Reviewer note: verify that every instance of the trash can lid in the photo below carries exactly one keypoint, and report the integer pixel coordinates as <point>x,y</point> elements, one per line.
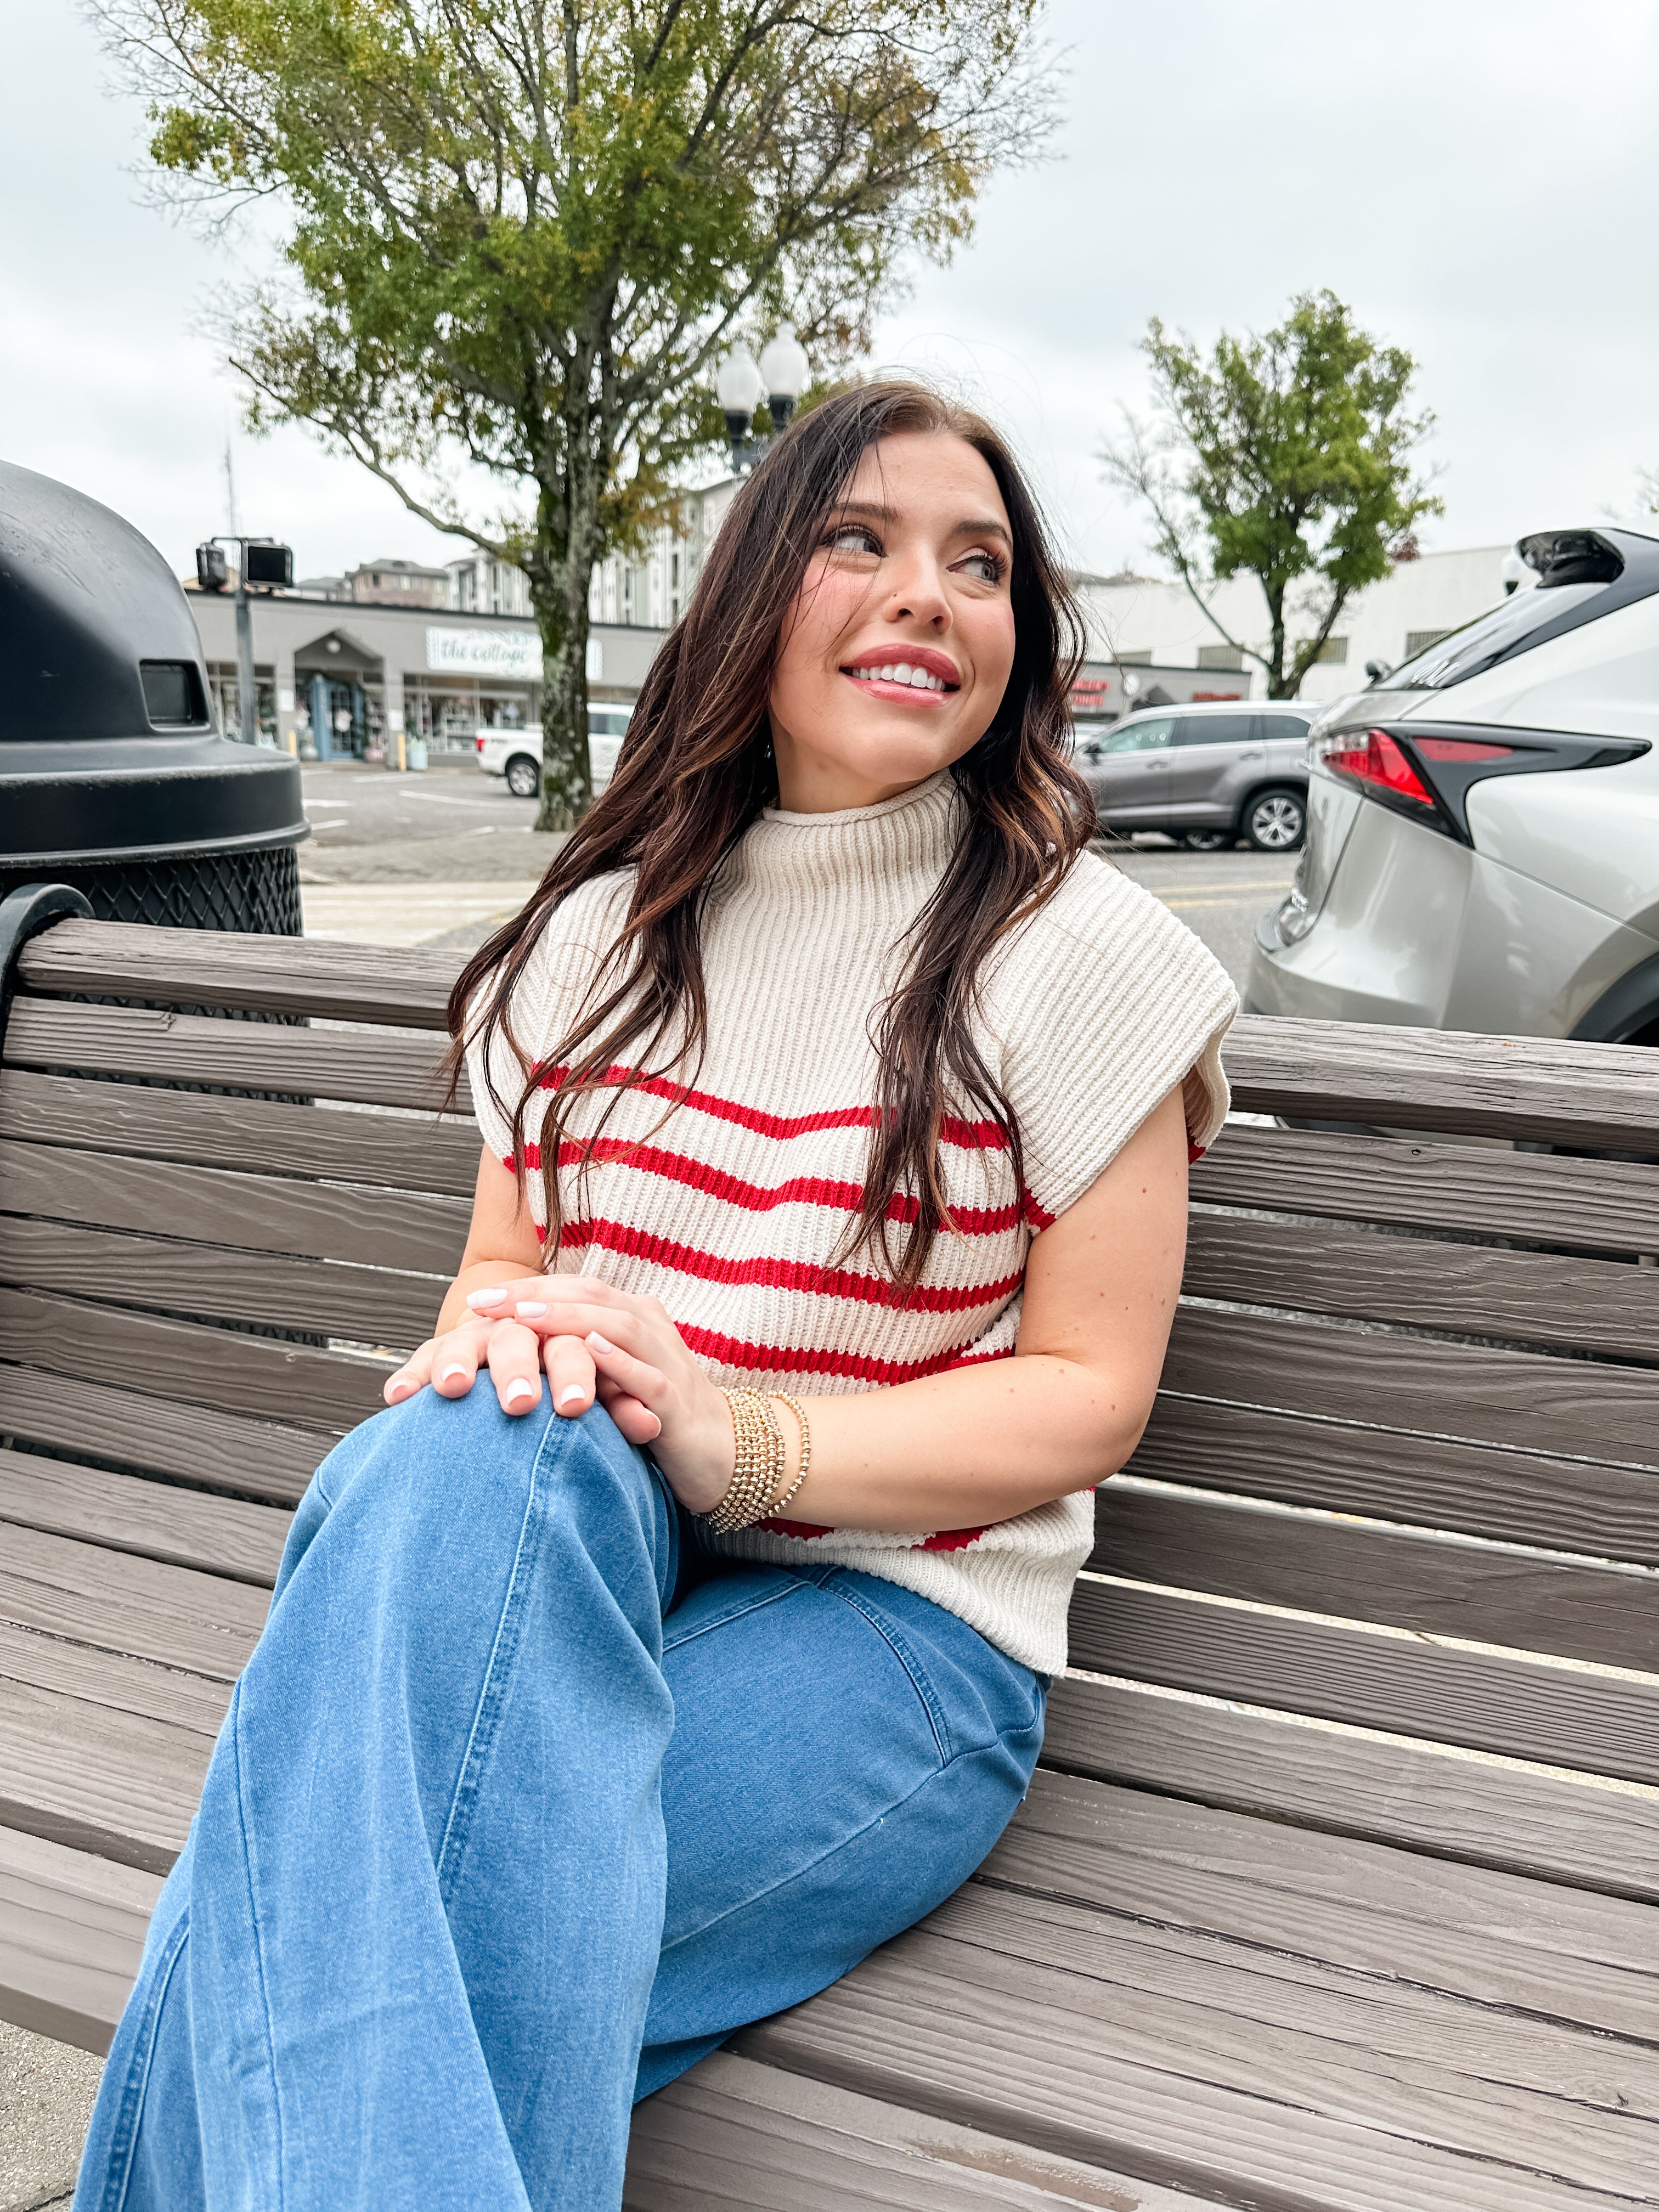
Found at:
<point>107,741</point>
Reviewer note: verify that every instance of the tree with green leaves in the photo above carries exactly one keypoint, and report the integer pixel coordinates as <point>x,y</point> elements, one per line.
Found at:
<point>1287,457</point>
<point>518,233</point>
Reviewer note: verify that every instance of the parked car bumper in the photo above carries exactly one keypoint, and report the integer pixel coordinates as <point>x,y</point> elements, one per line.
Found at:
<point>1426,933</point>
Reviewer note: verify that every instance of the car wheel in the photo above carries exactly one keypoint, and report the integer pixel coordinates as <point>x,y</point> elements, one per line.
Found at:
<point>524,778</point>
<point>1206,840</point>
<point>1274,821</point>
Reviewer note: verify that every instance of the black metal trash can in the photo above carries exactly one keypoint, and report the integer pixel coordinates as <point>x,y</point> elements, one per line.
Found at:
<point>112,776</point>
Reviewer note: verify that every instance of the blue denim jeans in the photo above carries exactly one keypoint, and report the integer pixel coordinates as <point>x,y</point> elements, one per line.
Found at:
<point>520,1807</point>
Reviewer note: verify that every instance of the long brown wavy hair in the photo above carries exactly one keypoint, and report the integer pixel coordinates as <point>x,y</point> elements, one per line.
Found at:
<point>695,770</point>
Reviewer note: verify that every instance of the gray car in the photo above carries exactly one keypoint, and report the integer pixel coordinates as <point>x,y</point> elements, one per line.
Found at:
<point>1208,774</point>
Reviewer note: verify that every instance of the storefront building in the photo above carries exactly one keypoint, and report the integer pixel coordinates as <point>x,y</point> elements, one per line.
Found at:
<point>352,680</point>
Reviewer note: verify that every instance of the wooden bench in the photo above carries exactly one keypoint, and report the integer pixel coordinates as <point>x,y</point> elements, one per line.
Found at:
<point>1336,1887</point>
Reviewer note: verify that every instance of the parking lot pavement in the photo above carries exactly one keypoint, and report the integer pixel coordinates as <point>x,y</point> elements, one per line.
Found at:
<point>454,824</point>
<point>1220,896</point>
<point>437,859</point>
<point>442,858</point>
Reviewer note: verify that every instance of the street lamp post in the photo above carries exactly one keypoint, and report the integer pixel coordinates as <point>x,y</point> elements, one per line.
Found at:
<point>740,384</point>
<point>261,562</point>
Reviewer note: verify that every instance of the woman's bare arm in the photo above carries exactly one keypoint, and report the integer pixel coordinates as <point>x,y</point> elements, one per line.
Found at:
<point>981,1444</point>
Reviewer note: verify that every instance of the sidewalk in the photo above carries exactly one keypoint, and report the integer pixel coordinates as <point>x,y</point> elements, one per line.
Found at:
<point>461,915</point>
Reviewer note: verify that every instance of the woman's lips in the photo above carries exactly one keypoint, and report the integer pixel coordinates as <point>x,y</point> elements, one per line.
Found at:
<point>906,681</point>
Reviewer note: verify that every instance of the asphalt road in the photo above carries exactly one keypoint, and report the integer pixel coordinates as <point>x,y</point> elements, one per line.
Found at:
<point>1220,896</point>
<point>440,858</point>
<point>450,825</point>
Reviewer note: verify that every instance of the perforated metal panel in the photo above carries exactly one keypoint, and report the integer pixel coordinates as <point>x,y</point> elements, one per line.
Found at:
<point>256,893</point>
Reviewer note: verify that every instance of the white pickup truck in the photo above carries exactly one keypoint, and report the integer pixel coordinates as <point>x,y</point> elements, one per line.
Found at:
<point>516,754</point>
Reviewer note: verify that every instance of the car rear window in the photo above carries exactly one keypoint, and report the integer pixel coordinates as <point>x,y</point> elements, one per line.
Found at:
<point>1491,637</point>
<point>1214,729</point>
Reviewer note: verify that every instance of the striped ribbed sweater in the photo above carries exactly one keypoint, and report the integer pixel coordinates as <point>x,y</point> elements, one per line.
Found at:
<point>727,1200</point>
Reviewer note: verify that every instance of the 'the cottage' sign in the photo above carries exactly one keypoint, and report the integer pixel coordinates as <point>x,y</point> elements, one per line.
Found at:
<point>511,652</point>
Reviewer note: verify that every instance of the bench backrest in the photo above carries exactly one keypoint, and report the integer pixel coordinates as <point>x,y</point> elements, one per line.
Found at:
<point>1402,1479</point>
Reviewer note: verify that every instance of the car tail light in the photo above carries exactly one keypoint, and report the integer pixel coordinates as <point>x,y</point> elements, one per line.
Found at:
<point>1427,772</point>
<point>1371,756</point>
<point>479,743</point>
<point>1462,749</point>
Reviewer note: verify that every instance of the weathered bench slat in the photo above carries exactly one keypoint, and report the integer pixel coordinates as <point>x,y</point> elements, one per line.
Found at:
<point>733,2136</point>
<point>71,1931</point>
<point>1533,1087</point>
<point>373,1068</point>
<point>1540,1090</point>
<point>1567,1505</point>
<point>1605,1306</point>
<point>205,1366</point>
<point>153,1520</point>
<point>1533,1948</point>
<point>273,975</point>
<point>272,1460</point>
<point>210,1282</point>
<point>107,1681</point>
<point>1406,1581</point>
<point>111,1601</point>
<point>389,1152</point>
<point>1470,2077</point>
<point>1589,1834</point>
<point>95,1778</point>
<point>1176,2058</point>
<point>1479,1392</point>
<point>242,1211</point>
<point>1609,1206</point>
<point>114,1684</point>
<point>1406,1684</point>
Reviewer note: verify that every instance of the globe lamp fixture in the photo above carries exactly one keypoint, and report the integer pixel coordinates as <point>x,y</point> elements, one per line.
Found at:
<point>741,386</point>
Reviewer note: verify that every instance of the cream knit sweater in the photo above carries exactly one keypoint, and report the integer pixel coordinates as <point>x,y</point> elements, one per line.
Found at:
<point>728,1201</point>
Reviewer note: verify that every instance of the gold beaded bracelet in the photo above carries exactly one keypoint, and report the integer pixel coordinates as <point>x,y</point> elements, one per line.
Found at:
<point>793,1404</point>
<point>762,1461</point>
<point>757,1470</point>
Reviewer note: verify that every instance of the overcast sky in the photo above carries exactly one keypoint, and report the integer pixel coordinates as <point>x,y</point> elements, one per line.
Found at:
<point>1480,182</point>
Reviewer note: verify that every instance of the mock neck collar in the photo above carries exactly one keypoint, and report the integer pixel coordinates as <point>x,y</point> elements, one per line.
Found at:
<point>909,838</point>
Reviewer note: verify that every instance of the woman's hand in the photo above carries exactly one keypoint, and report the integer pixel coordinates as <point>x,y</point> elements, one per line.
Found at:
<point>593,1342</point>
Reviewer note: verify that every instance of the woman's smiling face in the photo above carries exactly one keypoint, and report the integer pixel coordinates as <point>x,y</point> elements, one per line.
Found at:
<point>899,650</point>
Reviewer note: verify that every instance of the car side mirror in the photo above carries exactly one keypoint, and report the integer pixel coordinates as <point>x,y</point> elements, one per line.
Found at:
<point>1091,751</point>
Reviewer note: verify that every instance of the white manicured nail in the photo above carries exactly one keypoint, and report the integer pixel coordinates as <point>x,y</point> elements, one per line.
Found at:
<point>571,1393</point>
<point>527,1308</point>
<point>655,1432</point>
<point>521,1387</point>
<point>485,1297</point>
<point>450,1373</point>
<point>599,1343</point>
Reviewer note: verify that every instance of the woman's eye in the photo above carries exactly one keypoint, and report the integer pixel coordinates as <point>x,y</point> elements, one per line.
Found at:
<point>989,568</point>
<point>853,538</point>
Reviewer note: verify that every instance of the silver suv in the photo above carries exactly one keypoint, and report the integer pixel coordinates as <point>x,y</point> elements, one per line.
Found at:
<point>1483,845</point>
<point>1208,774</point>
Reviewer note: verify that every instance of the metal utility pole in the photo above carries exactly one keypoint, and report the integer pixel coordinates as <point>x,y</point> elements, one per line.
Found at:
<point>259,560</point>
<point>246,702</point>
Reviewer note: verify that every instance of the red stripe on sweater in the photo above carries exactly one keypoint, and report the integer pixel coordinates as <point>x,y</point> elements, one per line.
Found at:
<point>951,1539</point>
<point>775,1275</point>
<point>973,1136</point>
<point>806,1532</point>
<point>791,1359</point>
<point>762,1198</point>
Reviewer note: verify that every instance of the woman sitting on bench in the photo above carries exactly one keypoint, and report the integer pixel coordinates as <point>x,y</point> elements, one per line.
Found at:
<point>837,1108</point>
